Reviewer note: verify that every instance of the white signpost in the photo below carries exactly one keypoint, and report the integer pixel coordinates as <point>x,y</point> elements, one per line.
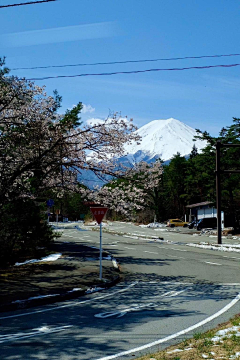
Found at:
<point>98,213</point>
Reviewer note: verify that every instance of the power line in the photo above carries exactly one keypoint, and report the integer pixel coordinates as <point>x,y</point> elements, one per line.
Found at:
<point>135,72</point>
<point>124,62</point>
<point>27,3</point>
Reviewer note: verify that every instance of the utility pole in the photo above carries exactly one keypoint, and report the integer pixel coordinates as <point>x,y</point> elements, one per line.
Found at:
<point>218,192</point>
<point>218,184</point>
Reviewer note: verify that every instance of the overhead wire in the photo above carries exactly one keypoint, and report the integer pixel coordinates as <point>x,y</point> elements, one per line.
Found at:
<point>134,72</point>
<point>125,62</point>
<point>27,3</point>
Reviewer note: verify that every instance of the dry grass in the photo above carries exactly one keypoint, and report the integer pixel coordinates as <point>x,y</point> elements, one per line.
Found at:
<point>205,345</point>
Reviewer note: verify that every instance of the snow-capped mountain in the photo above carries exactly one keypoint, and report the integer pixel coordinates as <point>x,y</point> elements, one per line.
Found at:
<point>163,138</point>
<point>160,139</point>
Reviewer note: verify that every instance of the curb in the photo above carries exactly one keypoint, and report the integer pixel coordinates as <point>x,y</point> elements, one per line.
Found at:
<point>57,298</point>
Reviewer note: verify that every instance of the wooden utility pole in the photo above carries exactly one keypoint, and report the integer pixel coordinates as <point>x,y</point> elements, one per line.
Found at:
<point>218,193</point>
<point>218,185</point>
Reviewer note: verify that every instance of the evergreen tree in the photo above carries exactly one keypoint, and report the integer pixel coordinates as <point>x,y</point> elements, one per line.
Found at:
<point>174,183</point>
<point>230,160</point>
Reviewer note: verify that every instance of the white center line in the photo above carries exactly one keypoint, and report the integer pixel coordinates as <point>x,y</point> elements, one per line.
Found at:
<point>212,263</point>
<point>177,249</point>
<point>176,257</point>
<point>151,252</point>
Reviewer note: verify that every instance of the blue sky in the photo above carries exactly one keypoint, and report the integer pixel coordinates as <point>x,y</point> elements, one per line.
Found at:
<point>89,31</point>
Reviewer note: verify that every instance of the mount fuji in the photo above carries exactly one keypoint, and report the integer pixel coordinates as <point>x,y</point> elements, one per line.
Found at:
<point>162,139</point>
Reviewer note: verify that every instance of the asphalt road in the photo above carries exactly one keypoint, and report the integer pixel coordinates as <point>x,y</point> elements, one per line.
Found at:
<point>169,292</point>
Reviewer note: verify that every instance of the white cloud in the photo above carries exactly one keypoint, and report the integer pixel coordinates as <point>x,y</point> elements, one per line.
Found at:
<point>87,109</point>
<point>94,121</point>
<point>60,34</point>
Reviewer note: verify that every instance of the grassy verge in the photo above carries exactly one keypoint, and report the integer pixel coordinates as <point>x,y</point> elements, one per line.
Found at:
<point>222,342</point>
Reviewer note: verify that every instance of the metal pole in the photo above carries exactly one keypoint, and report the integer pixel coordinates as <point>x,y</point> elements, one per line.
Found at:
<point>48,210</point>
<point>218,192</point>
<point>100,275</point>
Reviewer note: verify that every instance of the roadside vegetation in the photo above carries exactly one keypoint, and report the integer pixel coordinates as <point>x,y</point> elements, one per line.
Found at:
<point>223,342</point>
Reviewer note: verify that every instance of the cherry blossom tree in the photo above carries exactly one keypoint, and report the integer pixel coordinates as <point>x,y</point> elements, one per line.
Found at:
<point>138,190</point>
<point>42,149</point>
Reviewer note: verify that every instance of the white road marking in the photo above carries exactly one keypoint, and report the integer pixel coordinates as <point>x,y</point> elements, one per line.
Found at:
<point>128,248</point>
<point>177,249</point>
<point>212,263</point>
<point>151,252</point>
<point>231,257</point>
<point>173,336</point>
<point>230,284</point>
<point>123,312</point>
<point>176,257</point>
<point>34,332</point>
<point>169,294</point>
<point>136,307</point>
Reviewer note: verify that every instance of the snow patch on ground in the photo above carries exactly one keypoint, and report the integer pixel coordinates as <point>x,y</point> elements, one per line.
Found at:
<point>226,248</point>
<point>178,350</point>
<point>34,298</point>
<point>130,236</point>
<point>52,257</point>
<point>236,356</point>
<point>75,289</point>
<point>153,225</point>
<point>229,332</point>
<point>115,264</point>
<point>95,289</point>
<point>107,257</point>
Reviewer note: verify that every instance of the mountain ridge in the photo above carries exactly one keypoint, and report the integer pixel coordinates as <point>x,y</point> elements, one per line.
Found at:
<point>163,138</point>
